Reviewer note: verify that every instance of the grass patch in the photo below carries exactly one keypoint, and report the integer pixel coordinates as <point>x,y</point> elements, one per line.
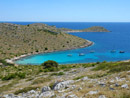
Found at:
<point>113,67</point>
<point>80,77</point>
<point>41,80</point>
<point>57,74</point>
<point>94,76</point>
<point>8,87</point>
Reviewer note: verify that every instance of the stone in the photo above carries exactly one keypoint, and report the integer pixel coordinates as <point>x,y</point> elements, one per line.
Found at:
<point>73,86</point>
<point>9,96</point>
<point>46,94</point>
<point>102,84</point>
<point>32,92</point>
<point>120,79</point>
<point>79,88</point>
<point>111,88</point>
<point>72,96</point>
<point>102,96</point>
<point>92,92</point>
<point>125,86</point>
<point>116,85</point>
<point>46,88</point>
<point>85,78</point>
<point>112,81</point>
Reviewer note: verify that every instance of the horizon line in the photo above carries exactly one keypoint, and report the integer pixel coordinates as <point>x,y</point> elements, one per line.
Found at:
<point>64,21</point>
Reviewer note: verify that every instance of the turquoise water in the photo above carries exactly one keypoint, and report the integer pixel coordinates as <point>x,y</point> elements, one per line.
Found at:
<point>118,39</point>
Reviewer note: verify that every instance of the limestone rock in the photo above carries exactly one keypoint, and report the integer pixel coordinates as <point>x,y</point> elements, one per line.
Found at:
<point>125,86</point>
<point>102,96</point>
<point>72,96</point>
<point>62,85</point>
<point>92,92</point>
<point>46,94</point>
<point>85,78</point>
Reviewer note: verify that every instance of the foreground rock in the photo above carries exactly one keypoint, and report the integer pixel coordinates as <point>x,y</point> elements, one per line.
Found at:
<point>62,85</point>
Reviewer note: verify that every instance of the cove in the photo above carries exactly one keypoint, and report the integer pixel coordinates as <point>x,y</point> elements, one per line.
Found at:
<point>104,42</point>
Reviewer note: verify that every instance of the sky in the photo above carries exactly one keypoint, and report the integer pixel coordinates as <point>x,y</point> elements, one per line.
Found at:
<point>65,10</point>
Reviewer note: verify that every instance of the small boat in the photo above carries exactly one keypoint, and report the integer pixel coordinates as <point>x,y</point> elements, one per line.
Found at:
<point>81,54</point>
<point>113,51</point>
<point>69,54</point>
<point>122,52</point>
<point>92,51</point>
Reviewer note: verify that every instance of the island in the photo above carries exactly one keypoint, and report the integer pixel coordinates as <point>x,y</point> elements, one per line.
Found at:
<point>90,29</point>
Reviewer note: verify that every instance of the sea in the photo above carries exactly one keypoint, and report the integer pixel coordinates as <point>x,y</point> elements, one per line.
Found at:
<point>106,47</point>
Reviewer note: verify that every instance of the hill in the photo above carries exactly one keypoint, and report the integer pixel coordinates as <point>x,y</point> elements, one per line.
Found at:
<point>16,40</point>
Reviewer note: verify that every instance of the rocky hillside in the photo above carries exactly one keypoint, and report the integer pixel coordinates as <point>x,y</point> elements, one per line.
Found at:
<point>92,80</point>
<point>16,40</point>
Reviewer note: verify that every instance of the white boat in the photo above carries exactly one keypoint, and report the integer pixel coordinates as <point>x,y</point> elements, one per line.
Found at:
<point>81,54</point>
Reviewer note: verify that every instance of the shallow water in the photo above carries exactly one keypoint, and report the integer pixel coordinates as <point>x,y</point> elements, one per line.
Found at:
<point>118,39</point>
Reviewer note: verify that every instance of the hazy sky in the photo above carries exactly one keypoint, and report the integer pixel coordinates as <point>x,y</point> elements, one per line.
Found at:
<point>65,10</point>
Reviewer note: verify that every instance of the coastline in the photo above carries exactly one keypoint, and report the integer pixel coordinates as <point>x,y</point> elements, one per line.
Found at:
<point>12,60</point>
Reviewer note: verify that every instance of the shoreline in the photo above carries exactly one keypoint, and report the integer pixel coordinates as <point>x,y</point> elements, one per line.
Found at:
<point>12,60</point>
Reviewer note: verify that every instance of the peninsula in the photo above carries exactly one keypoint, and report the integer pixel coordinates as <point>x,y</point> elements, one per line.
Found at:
<point>17,40</point>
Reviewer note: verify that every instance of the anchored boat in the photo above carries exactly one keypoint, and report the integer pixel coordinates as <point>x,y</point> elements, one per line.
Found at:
<point>122,52</point>
<point>81,54</point>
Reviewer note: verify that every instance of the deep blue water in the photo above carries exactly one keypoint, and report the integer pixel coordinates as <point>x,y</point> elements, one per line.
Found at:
<point>118,39</point>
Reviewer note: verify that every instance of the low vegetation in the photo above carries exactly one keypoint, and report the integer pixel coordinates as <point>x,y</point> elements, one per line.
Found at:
<point>113,67</point>
<point>19,79</point>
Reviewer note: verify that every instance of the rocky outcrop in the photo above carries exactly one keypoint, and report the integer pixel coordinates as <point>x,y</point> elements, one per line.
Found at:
<point>62,85</point>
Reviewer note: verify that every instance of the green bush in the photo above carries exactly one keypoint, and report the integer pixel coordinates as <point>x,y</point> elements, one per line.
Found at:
<point>9,77</point>
<point>51,65</point>
<point>21,75</point>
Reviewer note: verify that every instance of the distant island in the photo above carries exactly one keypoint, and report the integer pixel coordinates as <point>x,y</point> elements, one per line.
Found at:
<point>91,29</point>
<point>17,40</point>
